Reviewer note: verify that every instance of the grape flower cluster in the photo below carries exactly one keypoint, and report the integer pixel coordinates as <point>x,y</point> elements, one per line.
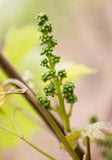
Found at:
<point>49,61</point>
<point>49,90</point>
<point>48,75</point>
<point>68,91</point>
<point>44,102</point>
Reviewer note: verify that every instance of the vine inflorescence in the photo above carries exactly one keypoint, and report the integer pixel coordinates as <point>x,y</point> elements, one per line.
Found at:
<point>55,78</point>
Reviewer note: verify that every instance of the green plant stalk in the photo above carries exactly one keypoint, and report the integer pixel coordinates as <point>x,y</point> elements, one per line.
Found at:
<point>26,141</point>
<point>70,111</point>
<point>54,109</point>
<point>46,115</point>
<point>52,66</point>
<point>63,114</point>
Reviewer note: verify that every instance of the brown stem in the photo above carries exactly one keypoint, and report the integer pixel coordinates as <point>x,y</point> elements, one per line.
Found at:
<point>88,148</point>
<point>9,70</point>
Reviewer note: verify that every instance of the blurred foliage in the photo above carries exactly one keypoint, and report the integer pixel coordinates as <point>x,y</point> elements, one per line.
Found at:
<point>75,72</point>
<point>18,13</point>
<point>26,125</point>
<point>19,41</point>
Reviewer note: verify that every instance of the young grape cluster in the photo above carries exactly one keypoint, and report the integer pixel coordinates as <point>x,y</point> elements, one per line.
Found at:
<point>50,61</point>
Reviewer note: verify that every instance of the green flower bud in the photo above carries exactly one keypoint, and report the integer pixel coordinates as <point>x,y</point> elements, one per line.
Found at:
<point>93,119</point>
<point>48,39</point>
<point>71,98</point>
<point>41,18</point>
<point>44,62</point>
<point>48,75</point>
<point>45,39</point>
<point>47,51</point>
<point>62,73</point>
<point>53,43</point>
<point>49,90</point>
<point>55,59</point>
<point>44,102</point>
<point>46,28</point>
<point>68,88</point>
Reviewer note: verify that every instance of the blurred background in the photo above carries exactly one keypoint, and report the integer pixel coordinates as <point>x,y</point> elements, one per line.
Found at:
<point>84,33</point>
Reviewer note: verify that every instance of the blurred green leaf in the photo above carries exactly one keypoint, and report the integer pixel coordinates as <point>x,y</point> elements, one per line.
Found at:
<point>75,72</point>
<point>31,63</point>
<point>25,124</point>
<point>19,41</point>
<point>2,76</point>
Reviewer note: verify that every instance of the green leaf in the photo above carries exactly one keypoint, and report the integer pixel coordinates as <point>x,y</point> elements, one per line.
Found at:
<point>19,41</point>
<point>31,63</point>
<point>72,139</point>
<point>2,76</point>
<point>75,72</point>
<point>25,123</point>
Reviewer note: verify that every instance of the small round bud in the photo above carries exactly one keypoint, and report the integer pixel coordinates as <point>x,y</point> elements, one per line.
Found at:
<point>44,102</point>
<point>55,59</point>
<point>41,18</point>
<point>62,74</point>
<point>49,90</point>
<point>93,119</point>
<point>44,62</point>
<point>71,99</point>
<point>47,51</point>
<point>48,75</point>
<point>53,43</point>
<point>68,88</point>
<point>48,39</point>
<point>46,28</point>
